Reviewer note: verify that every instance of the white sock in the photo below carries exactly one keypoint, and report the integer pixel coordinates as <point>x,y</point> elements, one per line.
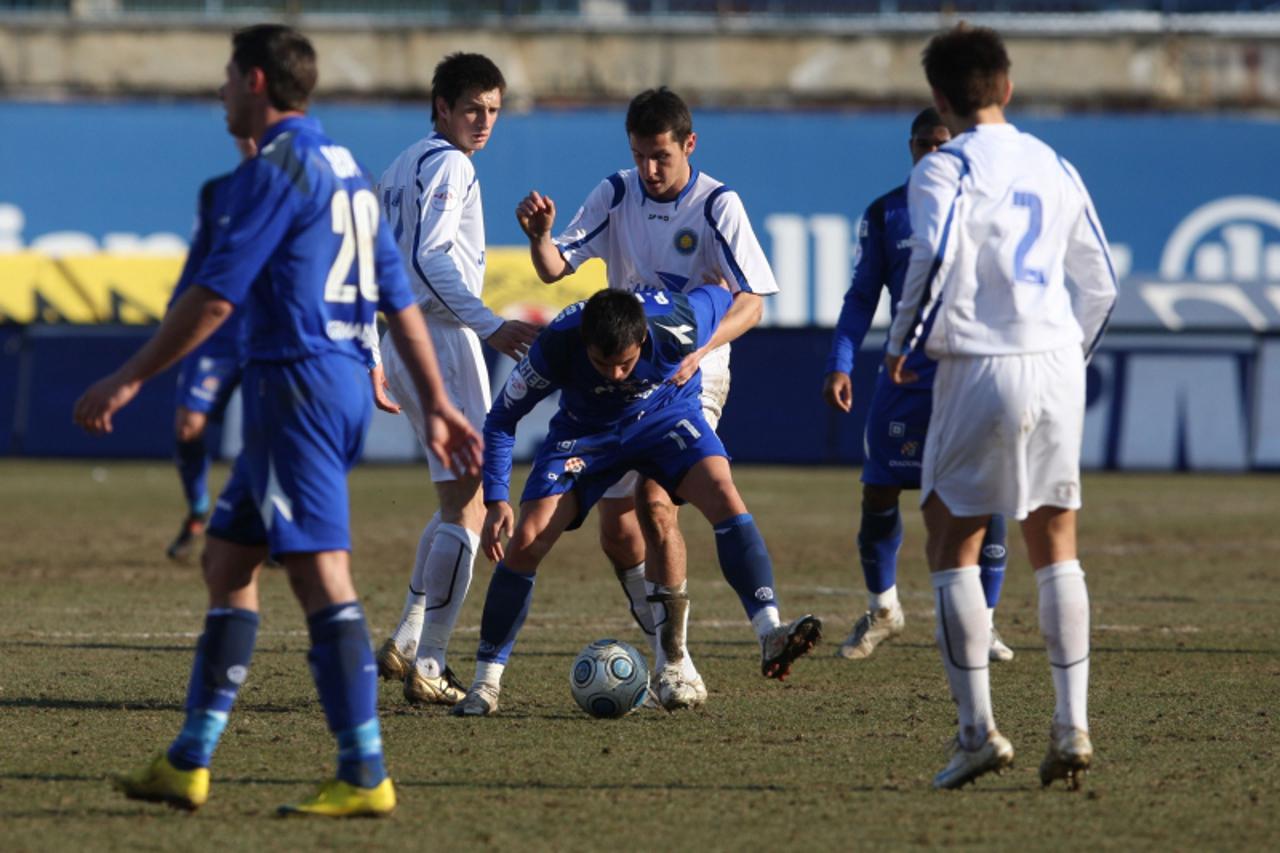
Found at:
<point>886,600</point>
<point>964,640</point>
<point>490,673</point>
<point>415,600</point>
<point>765,621</point>
<point>449,567</point>
<point>633,584</point>
<point>1064,621</point>
<point>991,617</point>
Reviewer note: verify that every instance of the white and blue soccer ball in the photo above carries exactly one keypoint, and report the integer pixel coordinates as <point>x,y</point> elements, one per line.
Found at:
<point>609,679</point>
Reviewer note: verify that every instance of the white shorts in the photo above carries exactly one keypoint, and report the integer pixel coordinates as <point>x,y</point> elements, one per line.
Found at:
<point>1005,433</point>
<point>715,390</point>
<point>466,381</point>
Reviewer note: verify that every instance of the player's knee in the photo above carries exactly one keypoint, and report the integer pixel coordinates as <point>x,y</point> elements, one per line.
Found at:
<point>623,545</point>
<point>658,519</point>
<point>879,498</point>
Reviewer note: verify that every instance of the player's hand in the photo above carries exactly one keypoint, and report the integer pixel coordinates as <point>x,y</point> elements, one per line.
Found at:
<point>513,338</point>
<point>104,398</point>
<point>688,367</point>
<point>536,213</point>
<point>381,398</point>
<point>454,441</point>
<point>837,390</point>
<point>499,521</point>
<point>896,367</point>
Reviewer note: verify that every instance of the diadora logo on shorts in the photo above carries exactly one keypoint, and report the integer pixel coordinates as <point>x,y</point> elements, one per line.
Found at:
<point>993,552</point>
<point>686,241</point>
<point>574,465</point>
<point>552,476</point>
<point>764,593</point>
<point>897,429</point>
<point>566,445</point>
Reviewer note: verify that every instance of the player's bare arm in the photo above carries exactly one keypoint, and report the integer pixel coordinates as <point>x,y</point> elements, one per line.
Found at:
<point>536,214</point>
<point>837,390</point>
<point>499,521</point>
<point>191,320</point>
<point>453,439</point>
<point>743,315</point>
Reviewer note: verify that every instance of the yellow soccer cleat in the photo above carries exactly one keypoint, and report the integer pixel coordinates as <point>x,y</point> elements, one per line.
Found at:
<point>393,664</point>
<point>158,781</point>
<point>342,799</point>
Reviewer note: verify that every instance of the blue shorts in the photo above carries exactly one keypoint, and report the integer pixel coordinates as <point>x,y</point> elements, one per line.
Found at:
<point>662,446</point>
<point>206,382</point>
<point>304,428</point>
<point>893,444</point>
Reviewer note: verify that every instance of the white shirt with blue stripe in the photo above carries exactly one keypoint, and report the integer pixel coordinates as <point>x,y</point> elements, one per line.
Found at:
<point>701,235</point>
<point>430,196</point>
<point>1008,254</point>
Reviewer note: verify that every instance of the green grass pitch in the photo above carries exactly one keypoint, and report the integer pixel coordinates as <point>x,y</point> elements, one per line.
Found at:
<point>96,632</point>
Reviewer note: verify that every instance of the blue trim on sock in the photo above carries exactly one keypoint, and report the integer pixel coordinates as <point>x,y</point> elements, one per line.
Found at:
<point>192,459</point>
<point>745,563</point>
<point>506,605</point>
<point>360,760</point>
<point>879,541</point>
<point>735,521</point>
<point>198,739</point>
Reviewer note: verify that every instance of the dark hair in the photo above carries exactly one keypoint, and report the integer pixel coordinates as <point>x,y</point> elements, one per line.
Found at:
<point>654,112</point>
<point>459,73</point>
<point>927,120</point>
<point>286,58</point>
<point>969,66</point>
<point>612,321</point>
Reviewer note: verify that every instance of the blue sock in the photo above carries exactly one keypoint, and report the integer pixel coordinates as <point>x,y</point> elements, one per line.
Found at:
<point>346,678</point>
<point>505,607</point>
<point>993,559</point>
<point>879,540</point>
<point>221,664</point>
<point>745,563</point>
<point>193,470</point>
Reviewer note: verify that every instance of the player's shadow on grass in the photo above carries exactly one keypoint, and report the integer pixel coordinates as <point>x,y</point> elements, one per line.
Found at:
<point>61,704</point>
<point>187,649</point>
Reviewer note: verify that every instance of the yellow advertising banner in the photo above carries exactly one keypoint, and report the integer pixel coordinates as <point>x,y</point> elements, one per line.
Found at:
<point>134,289</point>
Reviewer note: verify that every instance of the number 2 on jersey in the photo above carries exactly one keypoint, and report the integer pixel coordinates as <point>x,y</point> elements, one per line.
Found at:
<point>355,219</point>
<point>1022,272</point>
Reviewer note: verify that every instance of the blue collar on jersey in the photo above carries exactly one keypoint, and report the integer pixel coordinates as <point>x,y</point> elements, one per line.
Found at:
<point>290,123</point>
<point>644,196</point>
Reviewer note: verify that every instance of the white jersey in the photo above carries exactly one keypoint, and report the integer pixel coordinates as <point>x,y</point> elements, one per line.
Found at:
<point>701,235</point>
<point>431,198</point>
<point>1000,223</point>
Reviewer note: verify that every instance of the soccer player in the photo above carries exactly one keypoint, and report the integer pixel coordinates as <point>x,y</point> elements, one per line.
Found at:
<point>898,418</point>
<point>612,359</point>
<point>208,376</point>
<point>1002,225</point>
<point>666,225</point>
<point>431,198</point>
<point>305,248</point>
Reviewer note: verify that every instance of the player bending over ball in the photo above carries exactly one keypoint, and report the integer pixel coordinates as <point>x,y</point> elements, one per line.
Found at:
<point>612,358</point>
<point>1001,224</point>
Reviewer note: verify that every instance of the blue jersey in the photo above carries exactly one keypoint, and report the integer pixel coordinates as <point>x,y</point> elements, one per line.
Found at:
<point>589,403</point>
<point>884,249</point>
<point>304,250</point>
<point>229,338</point>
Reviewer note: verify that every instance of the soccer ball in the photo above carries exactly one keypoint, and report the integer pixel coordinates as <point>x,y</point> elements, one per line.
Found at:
<point>609,679</point>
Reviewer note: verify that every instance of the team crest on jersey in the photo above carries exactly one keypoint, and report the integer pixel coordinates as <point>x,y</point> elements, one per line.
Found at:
<point>686,241</point>
<point>575,465</point>
<point>444,199</point>
<point>516,387</point>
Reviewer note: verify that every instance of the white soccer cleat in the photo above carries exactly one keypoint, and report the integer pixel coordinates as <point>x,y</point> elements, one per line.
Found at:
<point>481,701</point>
<point>785,643</point>
<point>676,691</point>
<point>968,764</point>
<point>1070,754</point>
<point>1000,653</point>
<point>872,629</point>
<point>443,689</point>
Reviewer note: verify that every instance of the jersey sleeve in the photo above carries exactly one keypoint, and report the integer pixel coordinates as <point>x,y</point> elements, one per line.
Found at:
<point>1090,270</point>
<point>932,193</point>
<point>440,205</point>
<point>740,257</point>
<point>260,204</point>
<point>863,296</point>
<point>532,380</point>
<point>201,236</point>
<point>584,239</point>
<point>709,304</point>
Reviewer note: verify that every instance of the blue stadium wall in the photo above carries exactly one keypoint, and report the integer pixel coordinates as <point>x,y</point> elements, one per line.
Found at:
<point>1189,379</point>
